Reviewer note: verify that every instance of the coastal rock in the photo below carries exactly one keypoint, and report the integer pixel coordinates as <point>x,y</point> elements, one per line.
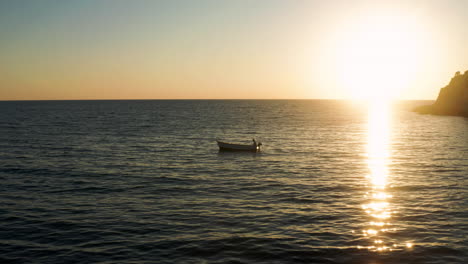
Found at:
<point>452,99</point>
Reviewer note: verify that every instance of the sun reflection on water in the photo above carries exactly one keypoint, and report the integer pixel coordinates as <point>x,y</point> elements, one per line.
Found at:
<point>378,206</point>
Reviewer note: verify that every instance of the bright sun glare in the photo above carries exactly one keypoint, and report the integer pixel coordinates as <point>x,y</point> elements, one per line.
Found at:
<point>378,56</point>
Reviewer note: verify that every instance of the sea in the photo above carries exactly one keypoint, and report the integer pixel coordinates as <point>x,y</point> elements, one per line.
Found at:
<point>143,181</point>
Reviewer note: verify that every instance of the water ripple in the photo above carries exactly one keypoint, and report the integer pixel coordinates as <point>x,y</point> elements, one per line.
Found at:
<point>143,182</point>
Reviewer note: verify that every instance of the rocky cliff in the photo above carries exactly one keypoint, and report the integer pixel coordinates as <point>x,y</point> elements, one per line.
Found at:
<point>452,99</point>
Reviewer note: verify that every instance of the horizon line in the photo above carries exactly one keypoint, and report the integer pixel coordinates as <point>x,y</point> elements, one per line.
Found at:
<point>206,99</point>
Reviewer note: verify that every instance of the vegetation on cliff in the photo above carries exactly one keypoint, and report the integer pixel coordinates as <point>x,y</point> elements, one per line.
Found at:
<point>452,99</point>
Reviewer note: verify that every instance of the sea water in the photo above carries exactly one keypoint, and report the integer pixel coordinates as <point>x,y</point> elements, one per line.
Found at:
<point>144,182</point>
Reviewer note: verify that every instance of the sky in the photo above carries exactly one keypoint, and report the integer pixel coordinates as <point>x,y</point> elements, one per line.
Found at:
<point>242,49</point>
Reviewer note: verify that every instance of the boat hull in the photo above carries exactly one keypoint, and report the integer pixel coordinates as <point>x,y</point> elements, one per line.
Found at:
<point>223,146</point>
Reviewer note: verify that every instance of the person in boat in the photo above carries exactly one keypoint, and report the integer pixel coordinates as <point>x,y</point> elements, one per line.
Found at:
<point>254,142</point>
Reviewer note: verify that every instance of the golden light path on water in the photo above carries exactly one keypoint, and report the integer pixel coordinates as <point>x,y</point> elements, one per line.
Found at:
<point>378,204</point>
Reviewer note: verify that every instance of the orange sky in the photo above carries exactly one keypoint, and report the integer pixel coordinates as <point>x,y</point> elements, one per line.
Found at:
<point>238,49</point>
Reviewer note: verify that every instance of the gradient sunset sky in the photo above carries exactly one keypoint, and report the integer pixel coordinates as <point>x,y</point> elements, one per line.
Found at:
<point>113,49</point>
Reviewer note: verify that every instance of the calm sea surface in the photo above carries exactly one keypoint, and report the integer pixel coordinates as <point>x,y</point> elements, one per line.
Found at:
<point>143,182</point>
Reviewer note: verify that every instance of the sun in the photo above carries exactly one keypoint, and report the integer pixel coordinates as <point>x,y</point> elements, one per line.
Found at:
<point>377,57</point>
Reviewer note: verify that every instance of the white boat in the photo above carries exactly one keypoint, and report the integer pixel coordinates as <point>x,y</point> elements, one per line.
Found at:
<point>225,146</point>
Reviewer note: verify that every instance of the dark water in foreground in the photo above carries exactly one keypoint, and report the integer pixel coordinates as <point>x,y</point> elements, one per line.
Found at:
<point>143,182</point>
